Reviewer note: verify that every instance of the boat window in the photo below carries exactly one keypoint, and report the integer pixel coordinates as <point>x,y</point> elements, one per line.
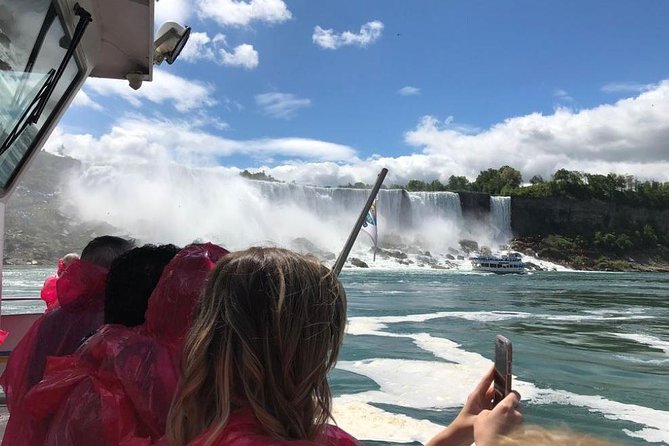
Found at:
<point>33,42</point>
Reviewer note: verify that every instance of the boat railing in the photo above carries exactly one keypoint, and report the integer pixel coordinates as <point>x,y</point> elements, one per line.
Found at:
<point>20,299</point>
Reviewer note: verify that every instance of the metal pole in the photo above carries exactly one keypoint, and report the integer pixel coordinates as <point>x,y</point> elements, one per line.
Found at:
<point>339,264</point>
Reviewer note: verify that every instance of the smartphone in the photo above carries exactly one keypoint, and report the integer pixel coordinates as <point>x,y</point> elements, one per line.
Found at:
<point>503,360</point>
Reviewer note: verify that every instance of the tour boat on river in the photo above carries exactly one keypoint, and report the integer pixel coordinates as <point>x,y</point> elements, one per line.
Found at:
<point>505,264</point>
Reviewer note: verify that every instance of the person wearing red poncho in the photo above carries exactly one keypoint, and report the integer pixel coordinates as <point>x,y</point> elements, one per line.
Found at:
<point>49,291</point>
<point>117,388</point>
<point>80,291</point>
<point>267,330</point>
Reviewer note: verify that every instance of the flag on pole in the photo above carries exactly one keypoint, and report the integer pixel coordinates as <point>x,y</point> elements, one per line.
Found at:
<point>370,226</point>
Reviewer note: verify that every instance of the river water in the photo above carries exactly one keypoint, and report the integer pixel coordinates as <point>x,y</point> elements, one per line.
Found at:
<point>591,350</point>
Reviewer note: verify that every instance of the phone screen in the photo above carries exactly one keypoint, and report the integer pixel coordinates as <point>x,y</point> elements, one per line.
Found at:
<point>502,368</point>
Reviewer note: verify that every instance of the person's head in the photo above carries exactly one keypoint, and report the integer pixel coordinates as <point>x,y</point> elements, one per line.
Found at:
<point>66,261</point>
<point>69,258</point>
<point>130,281</point>
<point>172,303</point>
<point>539,436</point>
<point>267,330</point>
<point>104,249</point>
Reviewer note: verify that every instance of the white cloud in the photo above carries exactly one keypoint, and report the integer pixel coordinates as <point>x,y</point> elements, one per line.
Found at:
<point>629,136</point>
<point>141,140</point>
<point>243,55</point>
<point>369,33</point>
<point>626,137</point>
<point>627,87</point>
<point>183,94</point>
<point>83,100</point>
<point>562,95</point>
<point>408,91</point>
<point>202,47</point>
<point>173,11</point>
<point>242,13</point>
<point>281,105</point>
<point>198,47</point>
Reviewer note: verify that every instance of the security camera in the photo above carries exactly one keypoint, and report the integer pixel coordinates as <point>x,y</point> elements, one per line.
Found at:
<point>171,39</point>
<point>135,80</point>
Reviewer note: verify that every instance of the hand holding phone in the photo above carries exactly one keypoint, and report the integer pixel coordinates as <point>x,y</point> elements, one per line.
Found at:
<point>503,358</point>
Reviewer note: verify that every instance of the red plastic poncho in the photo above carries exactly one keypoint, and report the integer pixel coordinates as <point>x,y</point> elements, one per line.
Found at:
<point>49,292</point>
<point>58,332</point>
<point>117,389</point>
<point>243,429</point>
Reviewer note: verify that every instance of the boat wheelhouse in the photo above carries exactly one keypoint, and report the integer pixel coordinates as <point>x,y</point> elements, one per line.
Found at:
<point>505,264</point>
<point>48,48</point>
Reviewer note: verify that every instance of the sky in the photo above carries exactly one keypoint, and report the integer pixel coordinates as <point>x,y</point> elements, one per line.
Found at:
<point>327,92</point>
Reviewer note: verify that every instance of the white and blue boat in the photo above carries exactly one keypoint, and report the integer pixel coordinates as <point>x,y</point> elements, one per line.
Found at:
<point>505,264</point>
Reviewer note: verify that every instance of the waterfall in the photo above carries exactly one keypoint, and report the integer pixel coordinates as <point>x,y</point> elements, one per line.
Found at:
<point>500,218</point>
<point>435,205</point>
<point>398,210</point>
<point>178,205</point>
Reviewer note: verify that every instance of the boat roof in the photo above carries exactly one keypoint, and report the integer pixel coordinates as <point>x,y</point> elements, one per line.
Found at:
<point>126,38</point>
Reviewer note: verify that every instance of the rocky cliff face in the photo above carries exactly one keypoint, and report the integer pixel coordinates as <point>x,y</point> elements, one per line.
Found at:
<point>37,231</point>
<point>475,205</point>
<point>543,216</point>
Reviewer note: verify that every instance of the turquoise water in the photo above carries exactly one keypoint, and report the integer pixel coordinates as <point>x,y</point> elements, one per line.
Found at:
<point>591,350</point>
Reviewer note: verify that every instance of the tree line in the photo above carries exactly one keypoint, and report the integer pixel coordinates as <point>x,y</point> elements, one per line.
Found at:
<point>506,180</point>
<point>624,189</point>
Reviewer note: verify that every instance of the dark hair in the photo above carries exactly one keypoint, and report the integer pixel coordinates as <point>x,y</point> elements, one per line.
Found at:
<point>131,280</point>
<point>104,249</point>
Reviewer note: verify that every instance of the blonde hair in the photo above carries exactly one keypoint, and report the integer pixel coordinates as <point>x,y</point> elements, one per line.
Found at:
<point>69,258</point>
<point>267,331</point>
<point>539,436</point>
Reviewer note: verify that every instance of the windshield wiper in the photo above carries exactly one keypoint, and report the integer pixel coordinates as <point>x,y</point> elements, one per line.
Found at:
<point>34,110</point>
<point>25,120</point>
<point>84,19</point>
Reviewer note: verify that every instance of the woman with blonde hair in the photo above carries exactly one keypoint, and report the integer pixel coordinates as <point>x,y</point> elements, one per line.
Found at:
<point>268,329</point>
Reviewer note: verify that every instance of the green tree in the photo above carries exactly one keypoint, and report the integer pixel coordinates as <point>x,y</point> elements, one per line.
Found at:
<point>457,184</point>
<point>510,177</point>
<point>537,179</point>
<point>416,185</point>
<point>436,186</point>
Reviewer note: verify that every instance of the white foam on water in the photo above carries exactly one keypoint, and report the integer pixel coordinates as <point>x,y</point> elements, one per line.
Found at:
<point>651,341</point>
<point>438,385</point>
<point>650,435</point>
<point>590,317</point>
<point>545,264</point>
<point>655,422</point>
<point>374,325</point>
<point>367,422</point>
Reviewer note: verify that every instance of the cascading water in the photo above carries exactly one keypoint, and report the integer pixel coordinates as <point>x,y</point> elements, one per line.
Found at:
<point>500,219</point>
<point>178,204</point>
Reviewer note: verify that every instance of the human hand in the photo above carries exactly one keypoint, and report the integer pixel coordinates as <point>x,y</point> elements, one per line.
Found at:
<point>461,430</point>
<point>502,419</point>
<point>480,399</point>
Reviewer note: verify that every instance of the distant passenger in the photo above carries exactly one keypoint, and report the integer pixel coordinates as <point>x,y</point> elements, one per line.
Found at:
<point>267,330</point>
<point>118,387</point>
<point>131,280</point>
<point>48,293</point>
<point>59,332</point>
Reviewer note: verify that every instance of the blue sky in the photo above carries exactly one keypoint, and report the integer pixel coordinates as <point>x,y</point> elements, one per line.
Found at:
<point>537,85</point>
